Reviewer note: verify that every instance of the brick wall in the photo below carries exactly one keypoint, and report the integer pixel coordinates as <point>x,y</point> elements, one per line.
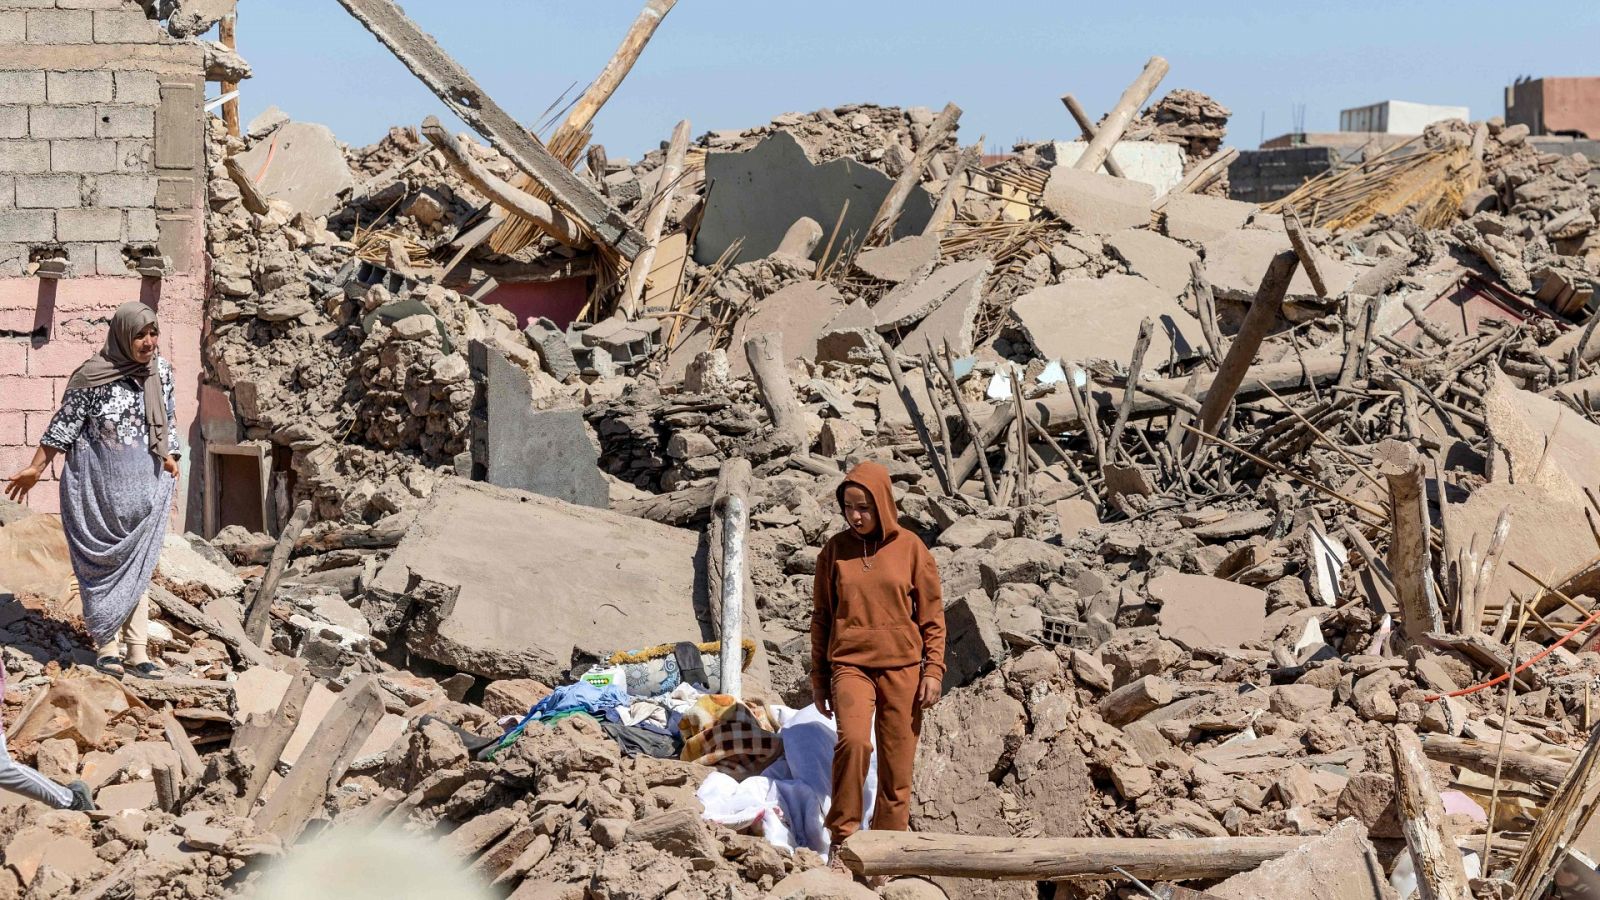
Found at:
<point>101,158</point>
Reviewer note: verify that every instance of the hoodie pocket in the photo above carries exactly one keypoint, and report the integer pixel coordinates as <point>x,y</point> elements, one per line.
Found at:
<point>875,647</point>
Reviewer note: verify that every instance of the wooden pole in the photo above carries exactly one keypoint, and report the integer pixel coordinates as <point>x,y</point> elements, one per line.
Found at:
<point>1116,122</point>
<point>1052,859</point>
<point>1479,756</point>
<point>915,415</point>
<point>1440,875</point>
<point>225,36</point>
<point>1205,307</point>
<point>733,483</point>
<point>955,188</point>
<point>1409,554</point>
<point>513,200</point>
<point>1024,493</point>
<point>1141,345</point>
<point>1199,177</point>
<point>666,186</point>
<point>255,620</point>
<point>765,355</point>
<point>332,748</point>
<point>265,737</point>
<point>1306,252</point>
<point>947,372</point>
<point>889,211</point>
<point>617,68</point>
<point>1257,322</point>
<point>939,417</point>
<point>1086,125</point>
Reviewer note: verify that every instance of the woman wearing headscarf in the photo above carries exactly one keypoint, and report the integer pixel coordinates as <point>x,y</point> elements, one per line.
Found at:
<point>117,484</point>
<point>877,651</point>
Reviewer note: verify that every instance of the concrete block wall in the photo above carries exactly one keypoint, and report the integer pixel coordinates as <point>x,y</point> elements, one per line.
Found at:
<point>101,153</point>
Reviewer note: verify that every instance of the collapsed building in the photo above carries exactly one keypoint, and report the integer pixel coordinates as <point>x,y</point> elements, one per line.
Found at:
<point>1231,503</point>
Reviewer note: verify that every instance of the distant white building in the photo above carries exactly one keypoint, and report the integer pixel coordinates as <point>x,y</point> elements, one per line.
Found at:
<point>1398,117</point>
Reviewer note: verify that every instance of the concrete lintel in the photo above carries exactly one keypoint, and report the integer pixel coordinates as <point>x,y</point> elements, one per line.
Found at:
<point>159,58</point>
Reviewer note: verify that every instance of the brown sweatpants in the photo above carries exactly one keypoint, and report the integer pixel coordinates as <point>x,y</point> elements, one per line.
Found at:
<point>863,698</point>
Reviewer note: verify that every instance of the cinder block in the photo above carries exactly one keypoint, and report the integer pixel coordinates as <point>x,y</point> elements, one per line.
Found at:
<point>141,227</point>
<point>83,157</point>
<point>89,225</point>
<point>13,27</point>
<point>122,191</point>
<point>49,122</point>
<point>25,393</point>
<point>24,157</point>
<point>60,26</point>
<point>8,193</point>
<point>126,121</point>
<point>109,260</point>
<point>36,422</point>
<point>26,226</point>
<point>78,87</point>
<point>27,4</point>
<point>135,157</point>
<point>12,257</point>
<point>58,358</point>
<point>49,192</point>
<point>22,87</point>
<point>13,122</point>
<point>137,87</point>
<point>115,26</point>
<point>13,361</point>
<point>89,4</point>
<point>81,256</point>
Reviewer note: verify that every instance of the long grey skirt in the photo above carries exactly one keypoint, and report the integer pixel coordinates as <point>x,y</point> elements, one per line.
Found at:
<point>115,499</point>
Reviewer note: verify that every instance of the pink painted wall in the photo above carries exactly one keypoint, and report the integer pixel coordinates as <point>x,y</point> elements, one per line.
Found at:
<point>558,301</point>
<point>33,372</point>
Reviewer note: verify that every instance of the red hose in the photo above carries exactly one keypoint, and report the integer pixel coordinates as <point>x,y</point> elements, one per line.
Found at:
<point>1531,660</point>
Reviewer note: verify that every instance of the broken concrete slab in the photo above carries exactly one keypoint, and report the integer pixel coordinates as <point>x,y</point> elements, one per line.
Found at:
<point>1546,444</point>
<point>850,337</point>
<point>547,452</point>
<point>302,164</point>
<point>1076,515</point>
<point>911,302</point>
<point>758,194</point>
<point>1099,318</point>
<point>1201,611</point>
<point>1097,204</point>
<point>1159,260</point>
<point>799,312</point>
<point>1198,218</point>
<point>181,565</point>
<point>1339,865</point>
<point>625,583</point>
<point>975,643</point>
<point>1157,164</point>
<point>955,319</point>
<point>1237,261</point>
<point>900,261</point>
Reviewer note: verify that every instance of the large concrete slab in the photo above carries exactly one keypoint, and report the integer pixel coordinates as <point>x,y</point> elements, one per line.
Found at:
<point>1159,260</point>
<point>955,319</point>
<point>1339,865</point>
<point>1201,611</point>
<point>1098,318</point>
<point>799,312</point>
<point>910,303</point>
<point>544,451</point>
<point>1199,217</point>
<point>1156,164</point>
<point>1097,204</point>
<point>542,579</point>
<point>758,193</point>
<point>302,165</point>
<point>902,260</point>
<point>1237,261</point>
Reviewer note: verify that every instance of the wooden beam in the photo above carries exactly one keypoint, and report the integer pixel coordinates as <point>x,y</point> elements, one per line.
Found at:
<point>1200,177</point>
<point>1437,862</point>
<point>1307,253</point>
<point>1141,345</point>
<point>955,189</point>
<point>266,736</point>
<point>1410,563</point>
<point>511,199</point>
<point>666,186</point>
<point>1258,321</point>
<point>189,761</point>
<point>616,69</point>
<point>455,87</point>
<point>765,355</point>
<point>324,761</point>
<point>1086,125</point>
<point>228,633</point>
<point>1479,756</point>
<point>1116,122</point>
<point>256,618</point>
<point>226,28</point>
<point>945,367</point>
<point>734,483</point>
<point>1052,859</point>
<point>889,211</point>
<point>914,413</point>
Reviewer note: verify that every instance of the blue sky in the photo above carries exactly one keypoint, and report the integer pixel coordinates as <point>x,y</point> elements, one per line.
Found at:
<point>726,64</point>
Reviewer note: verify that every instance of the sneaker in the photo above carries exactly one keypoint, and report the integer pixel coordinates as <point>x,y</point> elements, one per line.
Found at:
<point>82,800</point>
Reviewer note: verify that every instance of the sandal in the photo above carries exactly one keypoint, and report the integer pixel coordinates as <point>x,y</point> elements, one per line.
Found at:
<point>145,669</point>
<point>110,665</point>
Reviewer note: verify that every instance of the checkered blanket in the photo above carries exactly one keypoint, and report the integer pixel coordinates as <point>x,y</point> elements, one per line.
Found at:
<point>737,738</point>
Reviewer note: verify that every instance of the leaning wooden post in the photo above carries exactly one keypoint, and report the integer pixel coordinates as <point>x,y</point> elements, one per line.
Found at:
<point>1306,252</point>
<point>617,68</point>
<point>946,368</point>
<point>915,415</point>
<point>266,736</point>
<point>510,198</point>
<point>889,211</point>
<point>1440,875</point>
<point>255,620</point>
<point>1257,322</point>
<point>1141,345</point>
<point>332,748</point>
<point>765,355</point>
<point>955,189</point>
<point>1409,563</point>
<point>1099,149</point>
<point>227,38</point>
<point>732,506</point>
<point>1086,125</point>
<point>666,187</point>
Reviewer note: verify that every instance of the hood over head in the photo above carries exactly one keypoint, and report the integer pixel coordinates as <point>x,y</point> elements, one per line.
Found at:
<point>874,479</point>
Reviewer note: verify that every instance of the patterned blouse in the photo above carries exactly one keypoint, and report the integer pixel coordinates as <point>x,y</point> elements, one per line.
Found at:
<point>110,413</point>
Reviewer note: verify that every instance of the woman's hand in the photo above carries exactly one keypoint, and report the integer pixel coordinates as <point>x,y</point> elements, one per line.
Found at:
<point>18,485</point>
<point>823,703</point>
<point>170,465</point>
<point>928,691</point>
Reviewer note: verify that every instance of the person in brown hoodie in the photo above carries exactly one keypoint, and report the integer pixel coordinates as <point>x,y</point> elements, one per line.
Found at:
<point>877,650</point>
